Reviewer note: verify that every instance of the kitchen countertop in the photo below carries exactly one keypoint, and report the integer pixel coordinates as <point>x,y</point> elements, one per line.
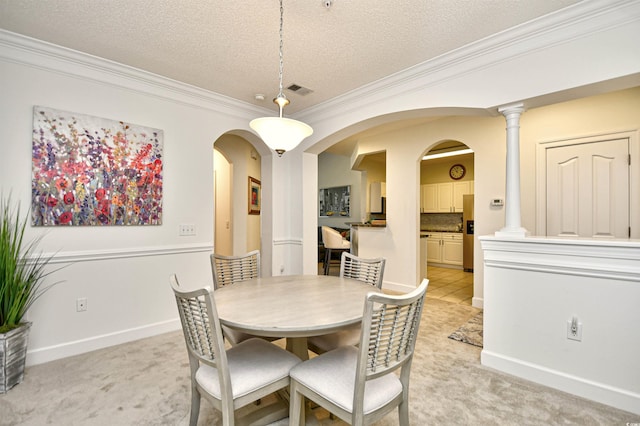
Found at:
<point>366,225</point>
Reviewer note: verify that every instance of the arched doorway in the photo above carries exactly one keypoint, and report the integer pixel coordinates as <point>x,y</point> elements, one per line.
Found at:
<point>446,206</point>
<point>236,164</point>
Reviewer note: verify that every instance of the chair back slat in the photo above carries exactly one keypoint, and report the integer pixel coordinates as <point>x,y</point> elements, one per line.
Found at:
<point>200,323</point>
<point>392,335</point>
<point>231,269</point>
<point>390,329</point>
<point>197,326</point>
<point>367,270</point>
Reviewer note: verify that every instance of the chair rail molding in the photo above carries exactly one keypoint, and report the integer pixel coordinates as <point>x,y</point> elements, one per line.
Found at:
<point>98,255</point>
<point>615,259</point>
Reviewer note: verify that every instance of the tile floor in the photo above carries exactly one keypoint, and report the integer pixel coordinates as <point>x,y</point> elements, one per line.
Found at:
<point>452,285</point>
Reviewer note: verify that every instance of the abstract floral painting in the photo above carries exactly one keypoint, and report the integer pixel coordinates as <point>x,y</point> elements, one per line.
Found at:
<point>94,171</point>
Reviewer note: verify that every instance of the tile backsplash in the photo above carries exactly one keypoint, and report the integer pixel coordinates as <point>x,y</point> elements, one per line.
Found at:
<point>446,222</point>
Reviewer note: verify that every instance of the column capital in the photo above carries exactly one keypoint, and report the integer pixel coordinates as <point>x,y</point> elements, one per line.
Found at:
<point>511,109</point>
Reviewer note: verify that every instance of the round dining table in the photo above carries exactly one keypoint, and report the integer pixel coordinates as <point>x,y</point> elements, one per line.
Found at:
<point>292,306</point>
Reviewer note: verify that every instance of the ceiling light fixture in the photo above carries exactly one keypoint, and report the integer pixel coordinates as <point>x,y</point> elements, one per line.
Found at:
<point>447,154</point>
<point>279,133</point>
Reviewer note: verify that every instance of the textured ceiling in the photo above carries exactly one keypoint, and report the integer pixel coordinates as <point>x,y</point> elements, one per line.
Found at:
<point>232,47</point>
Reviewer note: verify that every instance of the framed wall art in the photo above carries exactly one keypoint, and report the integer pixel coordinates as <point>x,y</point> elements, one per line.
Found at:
<point>335,201</point>
<point>254,196</point>
<point>91,171</point>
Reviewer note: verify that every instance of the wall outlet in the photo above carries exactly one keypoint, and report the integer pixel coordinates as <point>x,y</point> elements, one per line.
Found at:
<point>186,229</point>
<point>574,329</point>
<point>81,304</point>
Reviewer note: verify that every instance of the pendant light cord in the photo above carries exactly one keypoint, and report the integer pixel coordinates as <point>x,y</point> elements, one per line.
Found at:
<point>281,99</point>
<point>281,134</point>
<point>281,48</point>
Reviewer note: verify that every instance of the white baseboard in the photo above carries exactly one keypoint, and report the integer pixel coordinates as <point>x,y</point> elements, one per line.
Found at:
<point>477,302</point>
<point>51,353</point>
<point>599,392</point>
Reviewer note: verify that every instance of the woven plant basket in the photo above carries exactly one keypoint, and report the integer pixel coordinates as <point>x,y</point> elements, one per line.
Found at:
<point>13,354</point>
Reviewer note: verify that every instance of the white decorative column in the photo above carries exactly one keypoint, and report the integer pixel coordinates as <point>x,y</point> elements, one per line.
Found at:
<point>512,226</point>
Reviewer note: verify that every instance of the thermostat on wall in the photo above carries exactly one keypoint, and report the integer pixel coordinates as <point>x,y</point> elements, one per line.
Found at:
<point>497,202</point>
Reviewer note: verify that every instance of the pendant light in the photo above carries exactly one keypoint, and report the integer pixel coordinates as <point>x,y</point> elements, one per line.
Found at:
<point>279,133</point>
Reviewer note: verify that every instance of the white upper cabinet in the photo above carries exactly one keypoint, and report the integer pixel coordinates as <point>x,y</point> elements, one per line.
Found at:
<point>444,197</point>
<point>428,198</point>
<point>460,189</point>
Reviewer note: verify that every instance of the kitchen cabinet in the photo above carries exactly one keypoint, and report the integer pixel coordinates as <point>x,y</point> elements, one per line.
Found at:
<point>445,248</point>
<point>444,197</point>
<point>434,248</point>
<point>428,198</point>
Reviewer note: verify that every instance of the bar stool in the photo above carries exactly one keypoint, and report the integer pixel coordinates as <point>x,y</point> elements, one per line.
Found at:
<point>332,240</point>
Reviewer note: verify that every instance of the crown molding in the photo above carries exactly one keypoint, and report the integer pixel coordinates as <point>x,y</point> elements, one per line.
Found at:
<point>580,20</point>
<point>23,50</point>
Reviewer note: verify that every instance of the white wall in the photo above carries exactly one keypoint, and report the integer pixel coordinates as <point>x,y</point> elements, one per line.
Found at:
<point>534,286</point>
<point>122,271</point>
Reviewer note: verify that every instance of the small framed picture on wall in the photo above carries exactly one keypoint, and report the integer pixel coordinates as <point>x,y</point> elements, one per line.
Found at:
<point>254,196</point>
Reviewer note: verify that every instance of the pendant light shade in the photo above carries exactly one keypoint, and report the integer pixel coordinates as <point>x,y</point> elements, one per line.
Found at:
<point>279,133</point>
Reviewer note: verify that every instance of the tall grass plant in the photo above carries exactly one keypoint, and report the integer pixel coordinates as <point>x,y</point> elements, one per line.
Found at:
<point>22,267</point>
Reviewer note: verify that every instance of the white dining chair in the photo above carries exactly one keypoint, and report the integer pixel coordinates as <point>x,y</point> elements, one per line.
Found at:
<point>227,270</point>
<point>232,269</point>
<point>228,379</point>
<point>359,384</point>
<point>370,271</point>
<point>332,240</point>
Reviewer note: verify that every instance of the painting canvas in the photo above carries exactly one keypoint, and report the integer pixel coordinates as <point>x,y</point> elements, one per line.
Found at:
<point>94,171</point>
<point>254,196</point>
<point>335,201</point>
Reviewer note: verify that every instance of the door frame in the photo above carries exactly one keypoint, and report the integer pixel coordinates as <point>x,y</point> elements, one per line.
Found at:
<point>634,175</point>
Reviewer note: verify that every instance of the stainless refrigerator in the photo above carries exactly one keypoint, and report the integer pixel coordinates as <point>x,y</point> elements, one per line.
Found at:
<point>467,232</point>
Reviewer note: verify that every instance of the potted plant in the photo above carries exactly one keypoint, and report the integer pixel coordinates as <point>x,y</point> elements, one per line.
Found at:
<point>22,273</point>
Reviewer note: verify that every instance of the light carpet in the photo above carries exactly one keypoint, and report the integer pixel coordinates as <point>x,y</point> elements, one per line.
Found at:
<point>147,383</point>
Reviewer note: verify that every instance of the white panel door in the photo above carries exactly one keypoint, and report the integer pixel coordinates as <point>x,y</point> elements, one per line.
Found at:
<point>588,190</point>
